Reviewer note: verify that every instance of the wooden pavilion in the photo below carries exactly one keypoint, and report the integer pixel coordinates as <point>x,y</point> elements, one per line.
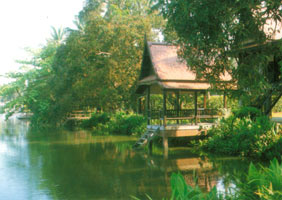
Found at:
<point>162,72</point>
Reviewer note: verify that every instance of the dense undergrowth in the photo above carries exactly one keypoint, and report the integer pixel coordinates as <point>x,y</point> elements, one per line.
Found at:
<point>118,123</point>
<point>245,133</point>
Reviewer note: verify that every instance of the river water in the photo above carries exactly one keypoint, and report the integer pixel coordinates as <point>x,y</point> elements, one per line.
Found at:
<point>79,165</point>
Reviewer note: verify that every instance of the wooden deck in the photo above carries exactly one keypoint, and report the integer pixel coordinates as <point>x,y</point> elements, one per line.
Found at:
<point>176,130</point>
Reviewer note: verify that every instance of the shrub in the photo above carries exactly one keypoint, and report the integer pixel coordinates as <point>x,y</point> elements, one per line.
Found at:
<point>96,118</point>
<point>118,123</point>
<point>247,133</point>
<point>128,124</point>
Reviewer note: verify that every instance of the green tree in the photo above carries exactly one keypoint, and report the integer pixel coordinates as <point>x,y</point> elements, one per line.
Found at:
<point>30,91</point>
<point>99,66</point>
<point>95,65</point>
<point>217,36</point>
<point>58,35</point>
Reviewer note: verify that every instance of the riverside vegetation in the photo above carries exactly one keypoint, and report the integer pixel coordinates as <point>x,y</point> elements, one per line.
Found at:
<point>97,64</point>
<point>260,183</point>
<point>245,133</point>
<point>118,123</point>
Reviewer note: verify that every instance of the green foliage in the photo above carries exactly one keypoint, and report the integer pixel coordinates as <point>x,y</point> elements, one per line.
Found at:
<point>274,150</point>
<point>128,124</point>
<point>264,183</point>
<point>182,191</point>
<point>213,36</point>
<point>96,118</point>
<point>99,63</point>
<point>95,65</point>
<point>245,133</point>
<point>31,90</point>
<point>118,123</point>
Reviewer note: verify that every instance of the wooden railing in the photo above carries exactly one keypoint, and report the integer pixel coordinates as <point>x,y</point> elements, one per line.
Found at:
<point>209,113</point>
<point>185,114</point>
<point>79,115</point>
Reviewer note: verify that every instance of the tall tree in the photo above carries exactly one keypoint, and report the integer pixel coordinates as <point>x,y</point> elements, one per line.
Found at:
<point>58,35</point>
<point>218,35</point>
<point>31,90</point>
<point>98,66</point>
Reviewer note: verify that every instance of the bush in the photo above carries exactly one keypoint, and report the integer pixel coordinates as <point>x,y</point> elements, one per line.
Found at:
<point>247,133</point>
<point>96,118</point>
<point>128,124</point>
<point>119,123</point>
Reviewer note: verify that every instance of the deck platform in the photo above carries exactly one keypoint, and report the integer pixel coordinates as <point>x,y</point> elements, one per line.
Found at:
<point>176,130</point>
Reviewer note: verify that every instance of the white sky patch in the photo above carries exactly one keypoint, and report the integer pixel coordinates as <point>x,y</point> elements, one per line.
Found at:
<point>27,23</point>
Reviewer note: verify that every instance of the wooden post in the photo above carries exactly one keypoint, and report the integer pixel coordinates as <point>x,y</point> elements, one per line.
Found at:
<point>164,121</point>
<point>205,100</point>
<point>177,105</point>
<point>165,140</point>
<point>164,103</point>
<point>148,108</point>
<point>165,145</point>
<point>139,105</point>
<point>224,100</point>
<point>196,106</point>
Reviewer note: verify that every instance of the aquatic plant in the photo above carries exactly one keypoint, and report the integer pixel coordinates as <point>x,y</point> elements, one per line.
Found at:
<point>182,191</point>
<point>262,183</point>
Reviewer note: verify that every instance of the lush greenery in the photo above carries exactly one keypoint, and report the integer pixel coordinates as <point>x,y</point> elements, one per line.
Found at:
<point>260,183</point>
<point>97,64</point>
<point>246,133</point>
<point>217,36</point>
<point>94,66</point>
<point>118,123</point>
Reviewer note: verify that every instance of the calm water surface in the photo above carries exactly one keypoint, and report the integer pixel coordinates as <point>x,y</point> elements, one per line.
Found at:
<point>79,165</point>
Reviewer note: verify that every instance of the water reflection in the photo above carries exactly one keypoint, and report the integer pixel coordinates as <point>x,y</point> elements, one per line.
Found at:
<point>58,164</point>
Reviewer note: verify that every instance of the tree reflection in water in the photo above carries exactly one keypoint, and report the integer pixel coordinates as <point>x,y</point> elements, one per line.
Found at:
<point>60,164</point>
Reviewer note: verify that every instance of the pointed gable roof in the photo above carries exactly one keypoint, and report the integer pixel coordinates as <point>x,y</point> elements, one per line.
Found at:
<point>161,66</point>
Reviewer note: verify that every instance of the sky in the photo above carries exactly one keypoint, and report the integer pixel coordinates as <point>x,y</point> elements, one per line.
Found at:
<point>27,23</point>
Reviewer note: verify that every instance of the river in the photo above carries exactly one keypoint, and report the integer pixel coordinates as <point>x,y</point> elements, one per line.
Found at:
<point>61,164</point>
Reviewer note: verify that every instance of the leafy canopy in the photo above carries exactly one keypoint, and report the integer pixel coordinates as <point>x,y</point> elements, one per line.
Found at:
<point>215,36</point>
